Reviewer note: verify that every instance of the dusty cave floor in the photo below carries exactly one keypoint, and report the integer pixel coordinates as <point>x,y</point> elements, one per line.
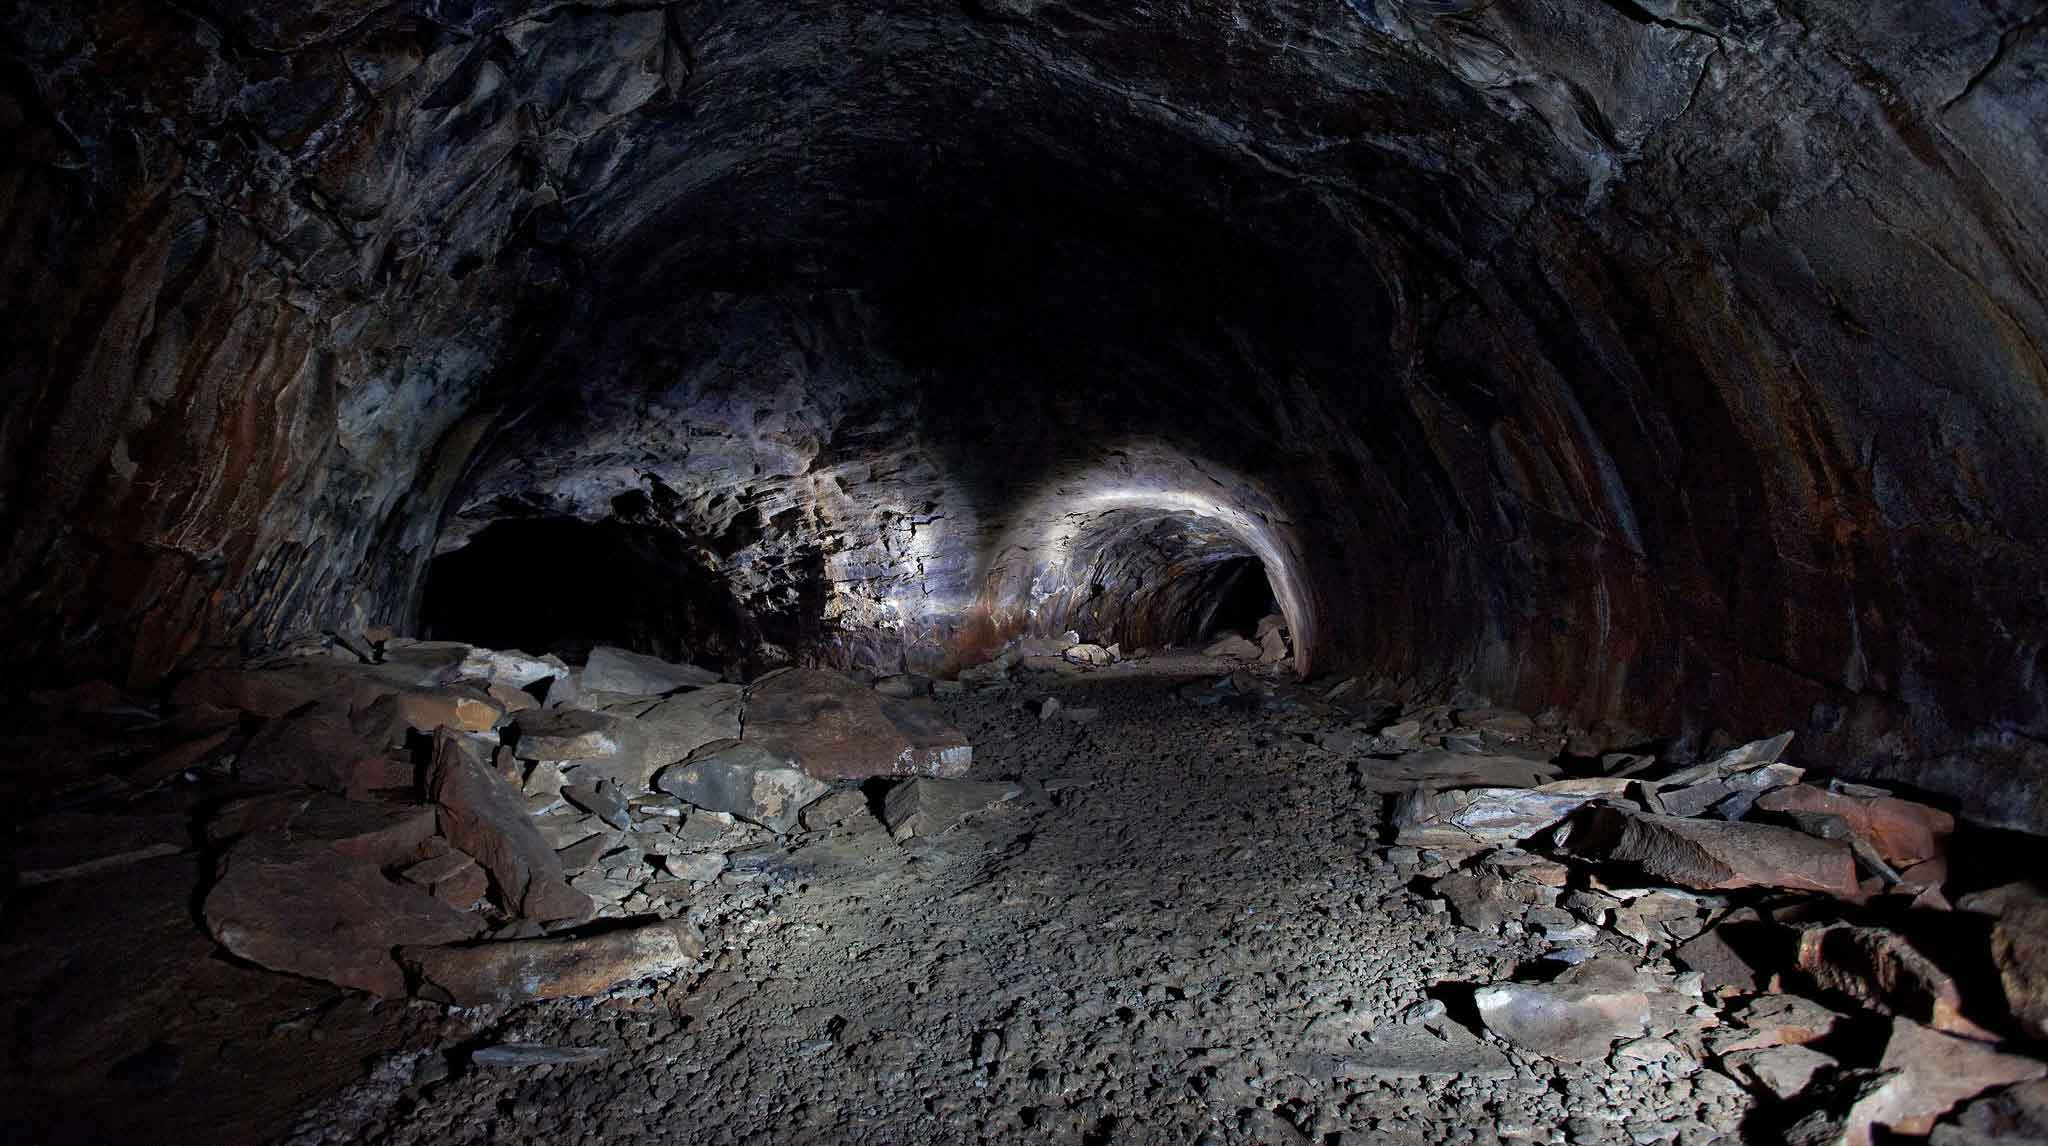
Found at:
<point>1172,938</point>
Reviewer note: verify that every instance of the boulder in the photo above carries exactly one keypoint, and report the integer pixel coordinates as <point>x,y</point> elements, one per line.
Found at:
<point>296,905</point>
<point>484,815</point>
<point>1712,854</point>
<point>323,747</point>
<point>451,706</point>
<point>1272,647</point>
<point>1579,1016</point>
<point>1784,1071</point>
<point>1477,898</point>
<point>2014,1116</point>
<point>612,669</point>
<point>1087,655</point>
<point>1935,1073</point>
<point>1901,831</point>
<point>1234,647</point>
<point>511,668</point>
<point>1880,969</point>
<point>931,807</point>
<point>569,734</point>
<point>603,799</point>
<point>2019,945</point>
<point>521,970</point>
<point>836,729</point>
<point>757,785</point>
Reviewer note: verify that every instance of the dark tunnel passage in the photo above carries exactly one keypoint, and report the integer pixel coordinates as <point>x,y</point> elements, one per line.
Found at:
<point>481,473</point>
<point>563,586</point>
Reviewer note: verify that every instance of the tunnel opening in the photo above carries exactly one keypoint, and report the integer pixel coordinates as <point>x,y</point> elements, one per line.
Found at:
<point>1147,577</point>
<point>564,586</point>
<point>1244,598</point>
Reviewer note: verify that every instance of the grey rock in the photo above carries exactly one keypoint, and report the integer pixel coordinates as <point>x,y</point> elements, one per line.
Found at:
<point>755,784</point>
<point>1578,1016</point>
<point>612,669</point>
<point>604,799</point>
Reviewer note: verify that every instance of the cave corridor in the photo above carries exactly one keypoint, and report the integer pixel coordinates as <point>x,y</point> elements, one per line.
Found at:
<point>1323,571</point>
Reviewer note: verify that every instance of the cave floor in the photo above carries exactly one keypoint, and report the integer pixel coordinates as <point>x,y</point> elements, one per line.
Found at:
<point>1180,934</point>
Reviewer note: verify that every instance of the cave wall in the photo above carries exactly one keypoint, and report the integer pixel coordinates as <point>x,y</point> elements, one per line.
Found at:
<point>1676,361</point>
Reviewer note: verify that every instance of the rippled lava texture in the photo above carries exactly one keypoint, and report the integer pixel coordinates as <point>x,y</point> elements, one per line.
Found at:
<point>1672,361</point>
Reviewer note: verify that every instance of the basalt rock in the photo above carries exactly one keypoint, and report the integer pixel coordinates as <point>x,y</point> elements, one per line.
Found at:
<point>485,816</point>
<point>620,670</point>
<point>837,729</point>
<point>1710,854</point>
<point>298,905</point>
<point>517,971</point>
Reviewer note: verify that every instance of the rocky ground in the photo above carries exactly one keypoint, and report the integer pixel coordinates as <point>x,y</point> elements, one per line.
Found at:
<point>1180,898</point>
<point>1181,929</point>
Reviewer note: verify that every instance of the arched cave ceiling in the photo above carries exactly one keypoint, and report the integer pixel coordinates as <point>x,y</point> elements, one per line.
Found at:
<point>1676,362</point>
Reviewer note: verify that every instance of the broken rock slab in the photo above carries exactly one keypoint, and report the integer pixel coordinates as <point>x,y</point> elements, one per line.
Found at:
<point>1580,1015</point>
<point>749,781</point>
<point>1885,972</point>
<point>611,669</point>
<point>568,734</point>
<point>929,807</point>
<point>483,814</point>
<point>1085,654</point>
<point>836,729</point>
<point>1903,832</point>
<point>1935,1073</point>
<point>1784,1071</point>
<point>522,970</point>
<point>1479,817</point>
<point>2014,1116</point>
<point>300,907</point>
<point>1712,855</point>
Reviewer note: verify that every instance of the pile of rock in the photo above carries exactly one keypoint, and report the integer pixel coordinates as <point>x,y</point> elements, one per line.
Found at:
<point>1827,959</point>
<point>1270,643</point>
<point>476,826</point>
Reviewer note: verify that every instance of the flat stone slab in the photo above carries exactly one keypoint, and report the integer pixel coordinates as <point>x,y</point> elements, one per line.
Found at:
<point>303,908</point>
<point>611,669</point>
<point>835,728</point>
<point>1579,1015</point>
